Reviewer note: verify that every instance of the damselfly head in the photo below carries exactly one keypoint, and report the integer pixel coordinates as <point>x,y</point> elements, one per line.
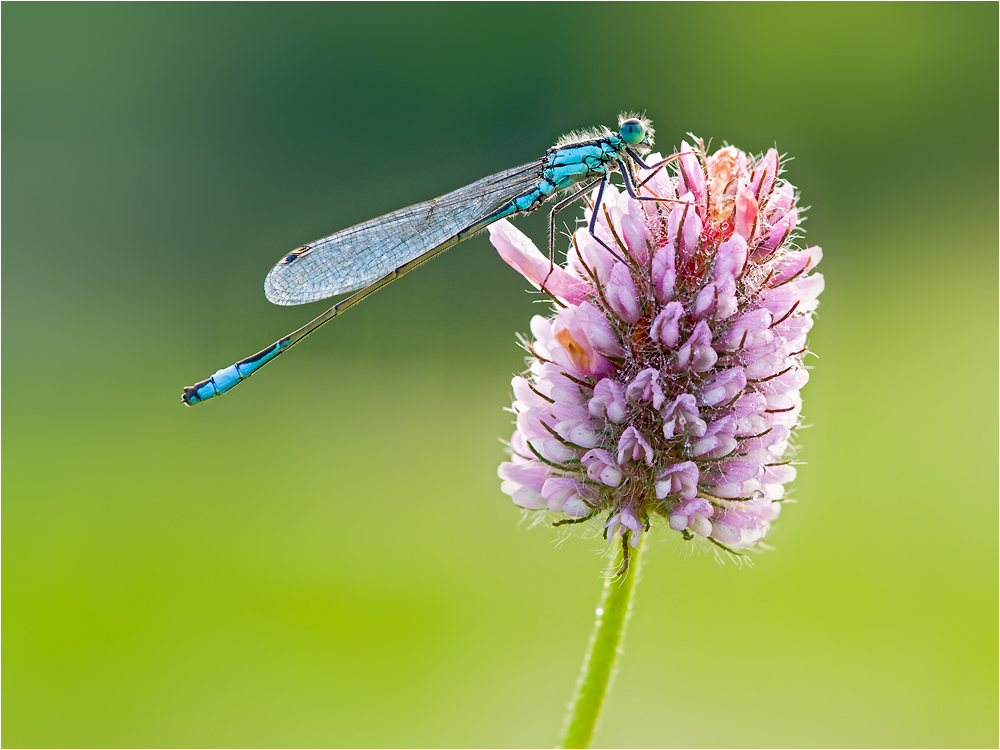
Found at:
<point>636,131</point>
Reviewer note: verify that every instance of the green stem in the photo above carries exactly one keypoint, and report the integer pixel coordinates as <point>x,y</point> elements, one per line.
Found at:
<point>605,645</point>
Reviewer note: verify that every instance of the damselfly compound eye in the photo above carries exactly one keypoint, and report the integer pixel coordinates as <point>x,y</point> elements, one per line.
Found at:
<point>633,131</point>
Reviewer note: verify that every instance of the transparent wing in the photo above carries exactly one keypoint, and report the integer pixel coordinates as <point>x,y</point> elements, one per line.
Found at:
<point>357,257</point>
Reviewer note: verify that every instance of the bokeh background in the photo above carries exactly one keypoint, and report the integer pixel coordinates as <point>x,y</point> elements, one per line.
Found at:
<point>323,557</point>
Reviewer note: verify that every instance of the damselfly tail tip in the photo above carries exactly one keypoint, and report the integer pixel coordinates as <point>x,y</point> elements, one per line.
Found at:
<point>190,397</point>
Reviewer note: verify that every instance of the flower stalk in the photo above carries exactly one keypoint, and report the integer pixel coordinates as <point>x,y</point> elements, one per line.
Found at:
<point>606,643</point>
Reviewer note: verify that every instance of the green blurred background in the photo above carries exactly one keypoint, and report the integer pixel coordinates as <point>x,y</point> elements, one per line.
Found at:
<point>324,557</point>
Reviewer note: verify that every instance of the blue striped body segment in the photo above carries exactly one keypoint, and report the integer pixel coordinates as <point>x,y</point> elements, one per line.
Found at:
<point>229,377</point>
<point>567,166</point>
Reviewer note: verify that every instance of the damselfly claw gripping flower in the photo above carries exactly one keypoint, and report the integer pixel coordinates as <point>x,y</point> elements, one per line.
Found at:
<point>665,385</point>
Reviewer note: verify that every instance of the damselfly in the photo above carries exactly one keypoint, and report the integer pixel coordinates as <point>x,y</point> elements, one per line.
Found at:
<point>368,256</point>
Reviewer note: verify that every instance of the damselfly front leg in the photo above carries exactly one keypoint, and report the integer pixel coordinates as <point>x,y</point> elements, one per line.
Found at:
<point>655,167</point>
<point>632,186</point>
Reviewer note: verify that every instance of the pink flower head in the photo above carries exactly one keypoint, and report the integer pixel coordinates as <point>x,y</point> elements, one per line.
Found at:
<point>666,385</point>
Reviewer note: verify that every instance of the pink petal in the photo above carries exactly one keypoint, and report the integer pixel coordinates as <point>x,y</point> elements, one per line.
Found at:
<point>521,254</point>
